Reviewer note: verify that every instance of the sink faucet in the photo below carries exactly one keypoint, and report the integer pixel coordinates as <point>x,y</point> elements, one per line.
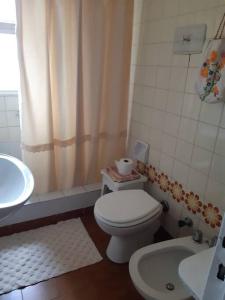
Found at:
<point>212,242</point>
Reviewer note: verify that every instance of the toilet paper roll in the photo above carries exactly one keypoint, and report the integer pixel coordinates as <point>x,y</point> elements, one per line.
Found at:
<point>124,166</point>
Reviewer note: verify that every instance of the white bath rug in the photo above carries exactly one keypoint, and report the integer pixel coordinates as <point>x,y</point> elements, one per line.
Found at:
<point>36,255</point>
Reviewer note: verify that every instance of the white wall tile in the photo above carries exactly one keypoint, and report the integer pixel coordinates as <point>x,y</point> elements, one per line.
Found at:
<point>139,131</point>
<point>206,136</point>
<point>147,116</point>
<point>201,160</point>
<point>197,182</point>
<point>144,95</point>
<point>13,118</point>
<point>178,79</point>
<point>148,55</point>
<point>151,32</point>
<point>166,164</point>
<point>11,148</point>
<point>166,29</point>
<point>152,10</point>
<point>218,168</point>
<point>4,134</point>
<point>180,172</point>
<point>187,129</point>
<point>3,119</point>
<point>154,157</point>
<point>222,123</point>
<point>171,124</point>
<point>185,20</point>
<point>186,7</point>
<point>191,79</point>
<point>191,106</point>
<point>207,17</point>
<point>2,103</point>
<point>145,75</point>
<point>12,103</point>
<point>155,138</point>
<point>179,60</point>
<point>168,144</point>
<point>174,103</point>
<point>211,113</point>
<point>220,144</point>
<point>184,151</point>
<point>215,192</point>
<point>170,8</point>
<point>14,134</point>
<point>160,100</point>
<point>163,76</point>
<point>164,54</point>
<point>158,119</point>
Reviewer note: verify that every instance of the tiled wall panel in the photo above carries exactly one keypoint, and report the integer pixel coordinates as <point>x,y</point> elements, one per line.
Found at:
<point>186,137</point>
<point>9,125</point>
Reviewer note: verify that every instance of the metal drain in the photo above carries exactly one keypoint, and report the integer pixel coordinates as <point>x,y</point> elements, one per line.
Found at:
<point>170,286</point>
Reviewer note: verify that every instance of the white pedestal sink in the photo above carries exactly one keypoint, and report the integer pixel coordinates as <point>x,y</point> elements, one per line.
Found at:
<point>16,184</point>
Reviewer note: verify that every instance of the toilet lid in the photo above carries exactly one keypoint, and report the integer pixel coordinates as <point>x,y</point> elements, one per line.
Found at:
<point>126,206</point>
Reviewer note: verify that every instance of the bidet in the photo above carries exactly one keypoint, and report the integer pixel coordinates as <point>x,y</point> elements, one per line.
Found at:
<point>154,269</point>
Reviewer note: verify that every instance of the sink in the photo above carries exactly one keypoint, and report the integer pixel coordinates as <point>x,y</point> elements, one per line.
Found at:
<point>194,271</point>
<point>16,184</point>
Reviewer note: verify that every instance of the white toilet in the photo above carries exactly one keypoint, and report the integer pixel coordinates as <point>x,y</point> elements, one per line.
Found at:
<point>131,217</point>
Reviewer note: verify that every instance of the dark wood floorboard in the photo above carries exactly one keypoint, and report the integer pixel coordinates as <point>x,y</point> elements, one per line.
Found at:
<point>104,280</point>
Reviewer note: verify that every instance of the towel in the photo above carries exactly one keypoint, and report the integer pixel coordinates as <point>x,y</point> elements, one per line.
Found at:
<point>210,85</point>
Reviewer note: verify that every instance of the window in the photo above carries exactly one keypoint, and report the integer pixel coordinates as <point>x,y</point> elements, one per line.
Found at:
<point>9,71</point>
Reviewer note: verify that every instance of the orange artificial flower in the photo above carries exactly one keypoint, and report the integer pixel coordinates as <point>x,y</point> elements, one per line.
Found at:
<point>215,90</point>
<point>213,56</point>
<point>204,72</point>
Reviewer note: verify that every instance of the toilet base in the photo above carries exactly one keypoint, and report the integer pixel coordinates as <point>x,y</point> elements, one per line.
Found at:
<point>120,248</point>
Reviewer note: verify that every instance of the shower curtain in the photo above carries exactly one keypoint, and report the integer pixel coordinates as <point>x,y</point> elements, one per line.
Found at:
<point>74,58</point>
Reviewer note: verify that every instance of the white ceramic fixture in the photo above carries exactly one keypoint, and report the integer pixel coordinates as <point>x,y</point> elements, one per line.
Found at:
<point>154,269</point>
<point>204,273</point>
<point>131,217</point>
<point>16,184</point>
<point>194,271</point>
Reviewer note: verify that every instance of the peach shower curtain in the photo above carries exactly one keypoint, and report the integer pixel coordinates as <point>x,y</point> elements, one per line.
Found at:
<point>74,60</point>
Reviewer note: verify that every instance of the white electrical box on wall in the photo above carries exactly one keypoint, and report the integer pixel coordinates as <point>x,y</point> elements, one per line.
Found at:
<point>189,39</point>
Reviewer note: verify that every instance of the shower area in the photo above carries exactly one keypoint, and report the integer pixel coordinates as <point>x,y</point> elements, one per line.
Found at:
<point>54,114</point>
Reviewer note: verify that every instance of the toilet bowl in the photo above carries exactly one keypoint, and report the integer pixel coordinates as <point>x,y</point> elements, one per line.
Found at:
<point>131,217</point>
<point>154,269</point>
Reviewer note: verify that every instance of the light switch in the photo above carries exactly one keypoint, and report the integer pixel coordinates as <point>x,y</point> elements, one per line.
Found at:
<point>189,39</point>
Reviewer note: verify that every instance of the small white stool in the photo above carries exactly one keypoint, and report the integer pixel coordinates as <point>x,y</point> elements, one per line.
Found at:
<point>116,186</point>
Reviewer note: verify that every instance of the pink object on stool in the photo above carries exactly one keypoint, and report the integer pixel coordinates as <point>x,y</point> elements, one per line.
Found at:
<point>113,173</point>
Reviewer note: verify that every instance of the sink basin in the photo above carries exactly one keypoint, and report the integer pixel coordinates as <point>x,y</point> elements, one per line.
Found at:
<point>16,184</point>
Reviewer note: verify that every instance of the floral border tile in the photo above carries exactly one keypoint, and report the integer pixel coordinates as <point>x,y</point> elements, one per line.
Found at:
<point>210,213</point>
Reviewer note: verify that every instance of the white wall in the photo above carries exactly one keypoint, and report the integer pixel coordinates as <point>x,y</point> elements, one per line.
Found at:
<point>186,137</point>
<point>9,124</point>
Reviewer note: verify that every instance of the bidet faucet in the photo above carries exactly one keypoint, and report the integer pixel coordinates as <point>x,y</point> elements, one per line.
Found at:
<point>212,242</point>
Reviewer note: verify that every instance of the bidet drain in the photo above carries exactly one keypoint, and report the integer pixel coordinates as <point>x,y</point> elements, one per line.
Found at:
<point>170,286</point>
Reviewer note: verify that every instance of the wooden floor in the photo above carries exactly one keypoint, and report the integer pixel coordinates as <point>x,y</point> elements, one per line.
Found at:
<point>104,280</point>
